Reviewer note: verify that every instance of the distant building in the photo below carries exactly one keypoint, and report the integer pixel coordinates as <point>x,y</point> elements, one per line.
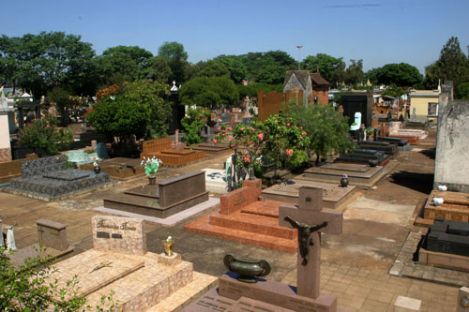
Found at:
<point>424,104</point>
<point>314,87</point>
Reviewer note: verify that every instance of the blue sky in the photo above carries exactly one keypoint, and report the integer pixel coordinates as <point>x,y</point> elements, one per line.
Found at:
<point>377,31</point>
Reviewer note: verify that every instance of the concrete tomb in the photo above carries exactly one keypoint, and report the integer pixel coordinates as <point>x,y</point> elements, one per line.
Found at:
<point>364,156</point>
<point>171,155</point>
<point>244,218</point>
<point>446,244</point>
<point>49,178</point>
<point>334,196</point>
<point>211,148</point>
<point>455,207</point>
<point>166,198</point>
<point>267,295</point>
<point>358,174</point>
<point>119,263</point>
<point>386,147</point>
<point>119,168</point>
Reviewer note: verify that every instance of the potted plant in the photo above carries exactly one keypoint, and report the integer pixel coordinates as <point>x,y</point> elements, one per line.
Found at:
<point>151,166</point>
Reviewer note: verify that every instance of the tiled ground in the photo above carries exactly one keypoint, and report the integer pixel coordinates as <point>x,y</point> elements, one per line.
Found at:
<point>355,265</point>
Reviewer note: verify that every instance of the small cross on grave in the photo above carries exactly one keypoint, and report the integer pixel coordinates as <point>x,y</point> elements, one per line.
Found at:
<point>310,219</point>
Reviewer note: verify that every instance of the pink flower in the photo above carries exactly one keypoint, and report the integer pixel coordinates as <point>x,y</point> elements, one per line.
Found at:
<point>215,141</point>
<point>218,128</point>
<point>289,152</point>
<point>230,138</point>
<point>229,129</point>
<point>246,158</point>
<point>260,136</point>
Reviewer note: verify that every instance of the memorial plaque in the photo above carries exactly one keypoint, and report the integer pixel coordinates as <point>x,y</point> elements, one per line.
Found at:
<point>127,234</point>
<point>102,234</point>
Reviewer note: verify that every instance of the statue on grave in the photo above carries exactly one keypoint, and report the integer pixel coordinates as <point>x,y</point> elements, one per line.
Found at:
<point>304,236</point>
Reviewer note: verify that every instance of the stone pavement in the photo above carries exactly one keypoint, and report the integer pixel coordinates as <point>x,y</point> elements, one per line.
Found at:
<point>355,265</point>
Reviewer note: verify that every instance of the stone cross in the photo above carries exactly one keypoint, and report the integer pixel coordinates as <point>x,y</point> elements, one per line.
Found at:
<point>310,219</point>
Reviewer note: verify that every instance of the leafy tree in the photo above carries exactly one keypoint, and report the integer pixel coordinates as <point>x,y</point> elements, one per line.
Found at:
<point>193,122</point>
<point>212,68</point>
<point>176,56</point>
<point>331,68</point>
<point>124,63</point>
<point>160,70</point>
<point>401,75</point>
<point>452,65</point>
<point>463,90</point>
<point>139,109</point>
<point>44,137</point>
<point>326,128</point>
<point>268,67</point>
<point>354,73</point>
<point>209,92</point>
<point>235,66</point>
<point>61,98</point>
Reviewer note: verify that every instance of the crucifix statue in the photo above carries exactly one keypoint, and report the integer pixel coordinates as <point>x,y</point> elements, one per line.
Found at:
<point>310,220</point>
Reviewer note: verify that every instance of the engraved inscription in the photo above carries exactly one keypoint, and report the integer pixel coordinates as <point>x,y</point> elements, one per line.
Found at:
<point>116,235</point>
<point>102,235</point>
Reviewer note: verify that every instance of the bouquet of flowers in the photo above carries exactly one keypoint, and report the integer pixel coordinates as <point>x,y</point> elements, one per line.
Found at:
<point>151,166</point>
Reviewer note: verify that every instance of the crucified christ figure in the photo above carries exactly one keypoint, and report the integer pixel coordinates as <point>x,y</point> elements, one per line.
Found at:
<point>304,233</point>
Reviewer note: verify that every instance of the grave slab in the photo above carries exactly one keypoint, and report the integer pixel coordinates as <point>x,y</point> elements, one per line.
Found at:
<point>215,180</point>
<point>454,208</point>
<point>334,196</point>
<point>119,168</point>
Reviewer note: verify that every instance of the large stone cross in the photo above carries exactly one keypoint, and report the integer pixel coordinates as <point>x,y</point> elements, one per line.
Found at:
<point>310,219</point>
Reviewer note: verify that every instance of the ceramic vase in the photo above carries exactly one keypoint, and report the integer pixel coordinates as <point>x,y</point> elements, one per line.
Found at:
<point>344,182</point>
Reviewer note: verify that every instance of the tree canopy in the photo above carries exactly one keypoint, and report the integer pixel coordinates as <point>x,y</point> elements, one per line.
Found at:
<point>331,68</point>
<point>209,92</point>
<point>176,57</point>
<point>401,75</point>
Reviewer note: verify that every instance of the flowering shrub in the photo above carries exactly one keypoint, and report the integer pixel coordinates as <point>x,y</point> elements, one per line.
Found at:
<point>150,166</point>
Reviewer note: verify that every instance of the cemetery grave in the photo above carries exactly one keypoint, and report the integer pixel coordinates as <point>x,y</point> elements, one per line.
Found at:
<point>386,147</point>
<point>119,168</point>
<point>446,244</point>
<point>49,178</point>
<point>119,263</point>
<point>262,294</point>
<point>167,197</point>
<point>243,217</point>
<point>215,180</point>
<point>334,196</point>
<point>358,174</point>
<point>12,169</point>
<point>365,156</point>
<point>455,207</point>
<point>171,155</point>
<point>210,148</point>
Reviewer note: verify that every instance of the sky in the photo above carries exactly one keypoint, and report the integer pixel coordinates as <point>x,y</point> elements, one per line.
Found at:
<point>377,31</point>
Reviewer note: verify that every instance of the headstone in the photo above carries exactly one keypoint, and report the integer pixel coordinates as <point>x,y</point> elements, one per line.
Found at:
<point>118,234</point>
<point>11,244</point>
<point>406,304</point>
<point>449,237</point>
<point>310,219</point>
<point>463,300</point>
<point>52,234</point>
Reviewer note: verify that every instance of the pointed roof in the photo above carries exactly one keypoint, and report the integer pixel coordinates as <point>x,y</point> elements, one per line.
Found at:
<point>301,75</point>
<point>319,80</point>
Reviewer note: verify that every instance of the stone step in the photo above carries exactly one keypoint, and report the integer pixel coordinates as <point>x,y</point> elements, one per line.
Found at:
<point>253,223</point>
<point>202,226</point>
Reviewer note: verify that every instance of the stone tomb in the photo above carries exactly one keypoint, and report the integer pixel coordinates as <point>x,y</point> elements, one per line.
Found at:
<point>166,198</point>
<point>211,148</point>
<point>49,178</point>
<point>364,156</point>
<point>139,280</point>
<point>267,295</point>
<point>244,218</point>
<point>454,208</point>
<point>119,168</point>
<point>171,154</point>
<point>358,174</point>
<point>215,180</point>
<point>334,196</point>
<point>446,244</point>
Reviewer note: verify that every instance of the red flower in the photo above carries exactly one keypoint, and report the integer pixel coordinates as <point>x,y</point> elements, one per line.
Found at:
<point>215,141</point>
<point>246,158</point>
<point>260,136</point>
<point>229,129</point>
<point>289,152</point>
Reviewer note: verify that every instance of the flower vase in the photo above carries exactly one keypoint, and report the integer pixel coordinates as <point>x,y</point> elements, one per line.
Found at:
<point>252,175</point>
<point>152,180</point>
<point>344,182</point>
<point>168,247</point>
<point>97,169</point>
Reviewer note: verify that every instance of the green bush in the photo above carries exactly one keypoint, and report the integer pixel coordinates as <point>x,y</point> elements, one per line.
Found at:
<point>193,123</point>
<point>44,137</point>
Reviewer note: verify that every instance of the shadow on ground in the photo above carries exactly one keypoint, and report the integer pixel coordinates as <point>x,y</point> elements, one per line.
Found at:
<point>430,153</point>
<point>421,182</point>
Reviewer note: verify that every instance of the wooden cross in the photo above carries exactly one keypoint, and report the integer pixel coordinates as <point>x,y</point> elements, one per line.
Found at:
<point>310,219</point>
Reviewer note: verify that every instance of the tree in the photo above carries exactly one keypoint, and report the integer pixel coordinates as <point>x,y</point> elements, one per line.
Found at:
<point>140,109</point>
<point>193,122</point>
<point>61,98</point>
<point>235,66</point>
<point>212,68</point>
<point>160,70</point>
<point>44,137</point>
<point>331,68</point>
<point>401,75</point>
<point>326,128</point>
<point>176,56</point>
<point>463,90</point>
<point>209,92</point>
<point>124,63</point>
<point>268,67</point>
<point>354,73</point>
<point>452,65</point>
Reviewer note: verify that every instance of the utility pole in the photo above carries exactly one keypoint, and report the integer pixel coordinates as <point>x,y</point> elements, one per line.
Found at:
<point>299,47</point>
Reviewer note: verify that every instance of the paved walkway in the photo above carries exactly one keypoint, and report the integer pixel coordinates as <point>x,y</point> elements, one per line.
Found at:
<point>355,265</point>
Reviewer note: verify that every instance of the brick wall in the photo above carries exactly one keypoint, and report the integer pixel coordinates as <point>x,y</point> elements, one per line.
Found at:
<point>271,103</point>
<point>240,198</point>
